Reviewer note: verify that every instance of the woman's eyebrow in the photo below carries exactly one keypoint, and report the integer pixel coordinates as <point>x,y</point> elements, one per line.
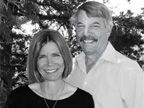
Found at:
<point>96,23</point>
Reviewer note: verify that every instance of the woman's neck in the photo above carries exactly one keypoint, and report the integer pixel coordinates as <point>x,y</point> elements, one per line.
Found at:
<point>52,89</point>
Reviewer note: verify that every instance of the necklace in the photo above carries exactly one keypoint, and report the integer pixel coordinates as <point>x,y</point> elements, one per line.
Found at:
<point>56,100</point>
<point>48,105</point>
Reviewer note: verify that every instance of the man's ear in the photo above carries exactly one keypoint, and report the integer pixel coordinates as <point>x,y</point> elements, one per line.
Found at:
<point>109,29</point>
<point>73,19</point>
<point>108,34</point>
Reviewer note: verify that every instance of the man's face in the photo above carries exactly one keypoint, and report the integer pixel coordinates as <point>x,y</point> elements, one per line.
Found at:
<point>92,33</point>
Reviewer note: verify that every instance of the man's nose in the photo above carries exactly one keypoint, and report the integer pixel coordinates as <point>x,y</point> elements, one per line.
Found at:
<point>86,32</point>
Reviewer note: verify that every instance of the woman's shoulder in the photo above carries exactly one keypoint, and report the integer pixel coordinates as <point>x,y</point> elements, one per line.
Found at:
<point>75,91</point>
<point>19,93</point>
<point>83,93</point>
<point>78,95</point>
<point>19,90</point>
<point>87,98</point>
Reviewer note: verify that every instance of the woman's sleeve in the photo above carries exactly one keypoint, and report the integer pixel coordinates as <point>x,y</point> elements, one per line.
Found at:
<point>89,102</point>
<point>9,102</point>
<point>92,102</point>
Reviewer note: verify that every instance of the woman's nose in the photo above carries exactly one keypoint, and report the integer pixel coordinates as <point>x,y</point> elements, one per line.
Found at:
<point>49,61</point>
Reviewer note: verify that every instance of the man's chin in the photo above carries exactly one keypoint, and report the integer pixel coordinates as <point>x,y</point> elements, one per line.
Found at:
<point>88,52</point>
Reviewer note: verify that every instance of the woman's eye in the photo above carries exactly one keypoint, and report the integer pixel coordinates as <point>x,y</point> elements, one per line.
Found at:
<point>94,26</point>
<point>56,55</point>
<point>41,56</point>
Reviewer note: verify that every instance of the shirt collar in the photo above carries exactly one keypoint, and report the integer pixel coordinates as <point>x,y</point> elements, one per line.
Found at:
<point>109,54</point>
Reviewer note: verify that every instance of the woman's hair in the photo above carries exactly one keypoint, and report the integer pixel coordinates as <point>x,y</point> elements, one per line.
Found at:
<point>38,41</point>
<point>94,9</point>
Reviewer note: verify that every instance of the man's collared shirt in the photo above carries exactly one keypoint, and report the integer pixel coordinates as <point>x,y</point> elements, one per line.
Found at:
<point>115,81</point>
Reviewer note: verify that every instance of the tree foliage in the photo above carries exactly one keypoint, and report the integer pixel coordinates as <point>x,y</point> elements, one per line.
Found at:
<point>127,35</point>
<point>13,48</point>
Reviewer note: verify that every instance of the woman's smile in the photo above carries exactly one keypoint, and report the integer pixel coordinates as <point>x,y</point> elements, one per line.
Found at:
<point>51,70</point>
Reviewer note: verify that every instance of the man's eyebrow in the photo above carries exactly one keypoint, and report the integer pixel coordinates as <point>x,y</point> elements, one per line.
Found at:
<point>79,23</point>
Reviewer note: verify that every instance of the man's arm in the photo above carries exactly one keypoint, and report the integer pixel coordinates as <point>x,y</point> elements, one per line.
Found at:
<point>132,85</point>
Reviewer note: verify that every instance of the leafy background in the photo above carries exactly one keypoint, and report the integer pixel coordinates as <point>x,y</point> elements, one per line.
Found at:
<point>126,37</point>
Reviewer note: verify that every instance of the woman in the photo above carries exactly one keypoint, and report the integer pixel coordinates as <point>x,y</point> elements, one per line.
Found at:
<point>49,63</point>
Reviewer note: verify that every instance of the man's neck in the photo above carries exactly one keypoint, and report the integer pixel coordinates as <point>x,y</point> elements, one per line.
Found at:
<point>90,60</point>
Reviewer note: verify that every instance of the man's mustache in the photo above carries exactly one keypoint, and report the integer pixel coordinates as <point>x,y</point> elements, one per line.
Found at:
<point>87,38</point>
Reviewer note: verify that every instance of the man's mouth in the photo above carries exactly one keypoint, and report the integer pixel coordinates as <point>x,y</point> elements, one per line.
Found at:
<point>88,40</point>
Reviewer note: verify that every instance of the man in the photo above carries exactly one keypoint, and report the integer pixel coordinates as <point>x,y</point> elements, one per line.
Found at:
<point>114,80</point>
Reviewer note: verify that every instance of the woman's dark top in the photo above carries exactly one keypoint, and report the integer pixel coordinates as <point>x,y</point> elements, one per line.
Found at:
<point>24,97</point>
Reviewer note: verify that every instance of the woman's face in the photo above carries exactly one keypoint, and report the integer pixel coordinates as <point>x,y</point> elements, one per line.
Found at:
<point>50,62</point>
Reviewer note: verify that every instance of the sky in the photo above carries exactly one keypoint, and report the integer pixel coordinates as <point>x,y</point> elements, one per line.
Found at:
<point>122,5</point>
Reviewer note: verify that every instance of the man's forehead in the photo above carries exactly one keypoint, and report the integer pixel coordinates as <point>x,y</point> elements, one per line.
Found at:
<point>82,14</point>
<point>92,14</point>
<point>82,17</point>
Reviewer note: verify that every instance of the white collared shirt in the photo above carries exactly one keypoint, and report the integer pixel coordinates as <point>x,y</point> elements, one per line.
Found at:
<point>115,81</point>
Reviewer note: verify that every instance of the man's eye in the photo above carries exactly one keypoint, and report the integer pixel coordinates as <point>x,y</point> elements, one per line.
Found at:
<point>95,26</point>
<point>80,25</point>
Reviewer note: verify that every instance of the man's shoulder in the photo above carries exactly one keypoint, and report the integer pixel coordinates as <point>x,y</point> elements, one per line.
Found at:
<point>116,56</point>
<point>124,59</point>
<point>127,63</point>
